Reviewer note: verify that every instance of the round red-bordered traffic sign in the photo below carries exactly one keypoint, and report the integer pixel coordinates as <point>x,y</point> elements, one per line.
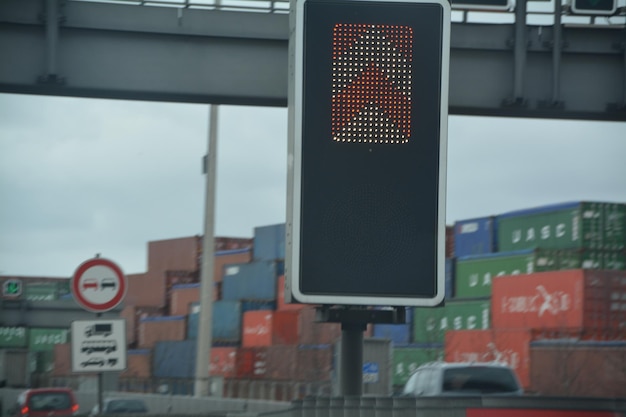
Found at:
<point>99,285</point>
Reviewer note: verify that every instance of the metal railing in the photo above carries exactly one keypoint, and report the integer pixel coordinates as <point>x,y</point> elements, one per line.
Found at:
<point>538,12</point>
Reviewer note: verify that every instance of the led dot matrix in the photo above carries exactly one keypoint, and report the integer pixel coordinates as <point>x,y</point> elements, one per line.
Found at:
<point>371,75</point>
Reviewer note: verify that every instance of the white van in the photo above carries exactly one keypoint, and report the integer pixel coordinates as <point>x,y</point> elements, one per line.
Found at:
<point>463,378</point>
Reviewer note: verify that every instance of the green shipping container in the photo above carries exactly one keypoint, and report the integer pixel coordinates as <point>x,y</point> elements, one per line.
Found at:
<point>45,339</point>
<point>407,359</point>
<point>599,226</point>
<point>41,291</point>
<point>474,274</point>
<point>431,324</point>
<point>12,336</point>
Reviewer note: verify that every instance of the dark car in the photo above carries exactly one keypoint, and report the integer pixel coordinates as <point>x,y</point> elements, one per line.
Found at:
<point>45,402</point>
<point>120,406</point>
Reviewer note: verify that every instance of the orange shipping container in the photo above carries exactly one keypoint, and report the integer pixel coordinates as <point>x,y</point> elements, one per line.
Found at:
<point>257,328</point>
<point>285,329</point>
<point>133,314</point>
<point>280,297</point>
<point>223,362</point>
<point>137,364</point>
<point>268,328</point>
<point>182,296</point>
<point>560,300</point>
<point>156,329</point>
<point>511,347</point>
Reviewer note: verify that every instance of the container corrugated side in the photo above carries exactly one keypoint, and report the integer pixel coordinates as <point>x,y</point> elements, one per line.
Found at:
<point>62,360</point>
<point>138,364</point>
<point>156,329</point>
<point>505,346</point>
<point>575,369</point>
<point>314,333</point>
<point>450,291</point>
<point>13,336</point>
<point>257,328</point>
<point>174,359</point>
<point>252,281</point>
<point>269,242</point>
<point>474,274</point>
<point>615,226</point>
<point>227,319</point>
<point>561,226</point>
<point>269,362</point>
<point>431,324</point>
<point>475,236</point>
<point>181,296</point>
<point>571,299</point>
<point>41,291</point>
<point>314,363</point>
<point>40,339</point>
<point>235,256</point>
<point>398,334</point>
<point>406,359</point>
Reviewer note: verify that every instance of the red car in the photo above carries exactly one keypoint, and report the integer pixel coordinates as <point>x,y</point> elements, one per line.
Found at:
<point>45,402</point>
<point>90,283</point>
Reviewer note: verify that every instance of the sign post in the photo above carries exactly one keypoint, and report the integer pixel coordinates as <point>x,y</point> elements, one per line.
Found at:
<point>98,285</point>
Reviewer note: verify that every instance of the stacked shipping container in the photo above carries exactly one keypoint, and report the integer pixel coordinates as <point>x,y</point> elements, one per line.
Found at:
<point>506,278</point>
<point>553,275</point>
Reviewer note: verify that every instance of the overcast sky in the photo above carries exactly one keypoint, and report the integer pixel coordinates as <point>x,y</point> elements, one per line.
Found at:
<point>85,176</point>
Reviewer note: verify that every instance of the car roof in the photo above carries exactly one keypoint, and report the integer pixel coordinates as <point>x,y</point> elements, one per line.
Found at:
<point>51,389</point>
<point>463,364</point>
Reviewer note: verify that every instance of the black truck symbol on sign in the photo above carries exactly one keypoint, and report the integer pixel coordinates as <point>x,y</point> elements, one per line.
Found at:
<point>103,329</point>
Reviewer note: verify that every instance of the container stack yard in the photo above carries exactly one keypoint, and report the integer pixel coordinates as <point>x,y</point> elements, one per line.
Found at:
<point>542,289</point>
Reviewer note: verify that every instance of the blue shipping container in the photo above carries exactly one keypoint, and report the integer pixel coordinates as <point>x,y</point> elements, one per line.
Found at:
<point>269,242</point>
<point>475,236</point>
<point>251,281</point>
<point>224,310</point>
<point>399,334</point>
<point>450,274</point>
<point>174,359</point>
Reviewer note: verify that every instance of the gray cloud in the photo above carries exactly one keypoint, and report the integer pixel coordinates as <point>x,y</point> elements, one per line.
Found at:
<point>81,176</point>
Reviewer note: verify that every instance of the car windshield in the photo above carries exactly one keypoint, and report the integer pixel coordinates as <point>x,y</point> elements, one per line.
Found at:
<point>49,401</point>
<point>126,406</point>
<point>479,379</point>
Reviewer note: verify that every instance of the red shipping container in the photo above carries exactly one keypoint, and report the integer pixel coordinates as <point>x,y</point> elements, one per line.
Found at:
<point>133,314</point>
<point>280,297</point>
<point>62,360</point>
<point>572,369</point>
<point>257,328</point>
<point>570,299</point>
<point>510,347</point>
<point>313,333</point>
<point>183,296</point>
<point>146,289</point>
<point>314,363</point>
<point>270,362</point>
<point>152,330</point>
<point>285,329</point>
<point>138,364</point>
<point>223,361</point>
